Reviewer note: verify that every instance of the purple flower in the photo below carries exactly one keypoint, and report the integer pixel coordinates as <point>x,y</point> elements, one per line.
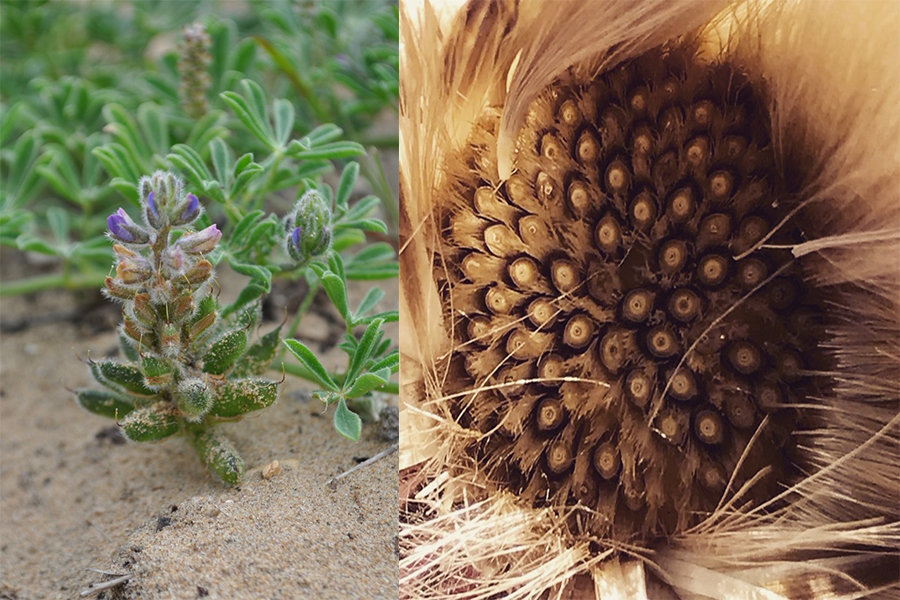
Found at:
<point>123,229</point>
<point>151,202</point>
<point>200,242</point>
<point>295,238</point>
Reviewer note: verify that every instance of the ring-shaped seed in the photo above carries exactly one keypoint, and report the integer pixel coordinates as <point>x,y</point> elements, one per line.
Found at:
<point>550,414</point>
<point>708,427</point>
<point>712,270</point>
<point>606,460</point>
<point>565,275</point>
<point>578,332</point>
<point>637,305</point>
<point>662,342</point>
<point>745,357</point>
<point>673,255</point>
<point>684,305</point>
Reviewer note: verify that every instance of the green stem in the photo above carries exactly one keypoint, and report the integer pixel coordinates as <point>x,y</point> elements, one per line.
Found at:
<point>55,280</point>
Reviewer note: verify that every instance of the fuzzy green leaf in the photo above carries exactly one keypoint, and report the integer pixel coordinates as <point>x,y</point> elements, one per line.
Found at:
<point>242,396</point>
<point>367,344</point>
<point>120,377</point>
<point>259,356</point>
<point>337,292</point>
<point>311,362</point>
<point>367,382</point>
<point>345,187</point>
<point>284,121</point>
<point>103,403</point>
<point>332,151</point>
<point>368,303</point>
<point>347,422</point>
<point>224,352</point>
<point>152,423</point>
<point>219,455</point>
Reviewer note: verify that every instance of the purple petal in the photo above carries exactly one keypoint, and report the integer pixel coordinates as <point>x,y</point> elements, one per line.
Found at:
<point>295,238</point>
<point>192,209</point>
<point>116,223</point>
<point>151,200</point>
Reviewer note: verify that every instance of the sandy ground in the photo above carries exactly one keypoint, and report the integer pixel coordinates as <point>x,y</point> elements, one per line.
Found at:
<point>74,496</point>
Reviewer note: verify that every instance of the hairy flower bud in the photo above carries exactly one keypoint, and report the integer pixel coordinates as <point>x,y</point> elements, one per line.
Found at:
<point>124,230</point>
<point>200,242</point>
<point>132,268</point>
<point>187,210</point>
<point>309,227</point>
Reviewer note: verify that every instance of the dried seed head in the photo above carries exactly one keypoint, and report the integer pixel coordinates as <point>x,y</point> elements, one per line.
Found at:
<point>613,259</point>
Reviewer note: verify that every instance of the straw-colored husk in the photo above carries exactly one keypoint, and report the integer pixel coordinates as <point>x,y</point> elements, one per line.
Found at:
<point>831,71</point>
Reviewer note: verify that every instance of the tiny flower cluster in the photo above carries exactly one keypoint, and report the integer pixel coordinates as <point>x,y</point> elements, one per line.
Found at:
<point>193,66</point>
<point>168,270</point>
<point>308,228</point>
<point>188,369</point>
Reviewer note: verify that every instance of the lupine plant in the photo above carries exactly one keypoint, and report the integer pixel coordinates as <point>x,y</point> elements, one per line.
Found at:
<point>187,367</point>
<point>213,156</point>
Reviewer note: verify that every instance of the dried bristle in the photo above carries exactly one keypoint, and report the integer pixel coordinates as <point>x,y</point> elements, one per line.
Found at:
<point>616,296</point>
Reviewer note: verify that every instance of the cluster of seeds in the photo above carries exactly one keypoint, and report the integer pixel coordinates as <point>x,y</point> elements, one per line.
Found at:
<point>623,316</point>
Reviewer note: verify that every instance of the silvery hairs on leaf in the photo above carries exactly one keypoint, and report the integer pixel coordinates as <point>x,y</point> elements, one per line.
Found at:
<point>474,90</point>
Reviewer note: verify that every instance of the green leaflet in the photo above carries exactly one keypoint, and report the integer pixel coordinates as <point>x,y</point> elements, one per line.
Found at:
<point>259,356</point>
<point>120,377</point>
<point>240,397</point>
<point>193,398</point>
<point>103,403</point>
<point>220,455</point>
<point>224,352</point>
<point>152,423</point>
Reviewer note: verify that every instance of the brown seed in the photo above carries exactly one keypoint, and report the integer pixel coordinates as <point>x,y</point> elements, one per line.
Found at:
<point>637,305</point>
<point>588,149</point>
<point>740,412</point>
<point>479,329</point>
<point>565,275</point>
<point>524,272</point>
<point>639,387</point>
<point>672,427</point>
<point>703,112</point>
<point>638,99</point>
<point>643,210</point>
<point>525,345</point>
<point>519,190</point>
<point>751,272</point>
<point>502,241</point>
<point>683,385</point>
<point>612,350</point>
<point>617,177</point>
<point>712,270</point>
<point>608,234</point>
<point>662,342</point>
<point>697,151</point>
<point>684,305</point>
<point>481,268</point>
<point>550,413</point>
<point>534,232</point>
<point>642,141</point>
<point>673,255</point>
<point>721,185</point>
<point>682,205</point>
<point>551,366</point>
<point>569,113</point>
<point>745,357</point>
<point>550,148</point>
<point>579,199</point>
<point>708,426</point>
<point>542,312</point>
<point>768,397</point>
<point>579,332</point>
<point>559,457</point>
<point>606,460</point>
<point>499,301</point>
<point>714,229</point>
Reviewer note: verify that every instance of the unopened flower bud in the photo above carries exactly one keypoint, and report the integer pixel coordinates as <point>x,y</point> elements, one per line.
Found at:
<point>200,242</point>
<point>187,211</point>
<point>309,227</point>
<point>174,260</point>
<point>123,229</point>
<point>193,67</point>
<point>154,217</point>
<point>132,268</point>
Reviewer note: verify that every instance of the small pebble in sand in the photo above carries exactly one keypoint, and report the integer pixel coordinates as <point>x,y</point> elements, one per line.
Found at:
<point>389,421</point>
<point>271,470</point>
